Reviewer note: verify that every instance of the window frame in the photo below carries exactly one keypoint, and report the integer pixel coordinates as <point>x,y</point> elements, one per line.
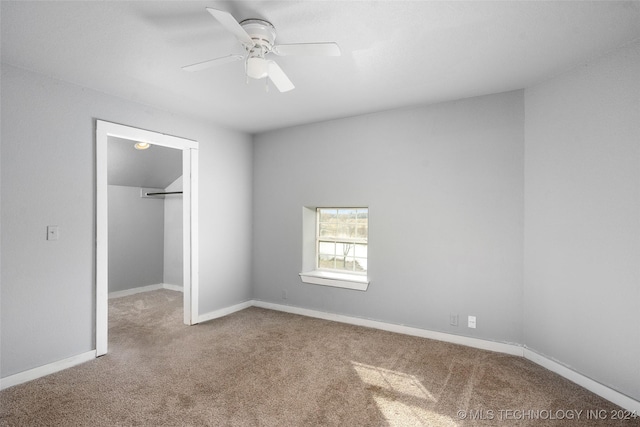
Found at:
<point>345,240</point>
<point>311,273</point>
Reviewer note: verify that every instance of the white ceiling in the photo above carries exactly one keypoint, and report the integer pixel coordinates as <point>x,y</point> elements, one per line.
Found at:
<point>395,53</point>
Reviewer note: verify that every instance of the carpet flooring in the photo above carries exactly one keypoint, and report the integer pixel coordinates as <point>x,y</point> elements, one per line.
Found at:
<point>260,367</point>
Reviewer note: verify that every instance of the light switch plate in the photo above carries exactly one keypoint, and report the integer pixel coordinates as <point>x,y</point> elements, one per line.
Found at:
<point>53,232</point>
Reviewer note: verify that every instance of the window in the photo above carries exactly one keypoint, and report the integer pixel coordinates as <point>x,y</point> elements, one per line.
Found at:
<point>335,247</point>
<point>341,240</point>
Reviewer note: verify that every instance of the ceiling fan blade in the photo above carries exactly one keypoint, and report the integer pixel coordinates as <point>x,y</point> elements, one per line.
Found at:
<point>212,63</point>
<point>230,24</point>
<point>279,78</point>
<point>307,49</point>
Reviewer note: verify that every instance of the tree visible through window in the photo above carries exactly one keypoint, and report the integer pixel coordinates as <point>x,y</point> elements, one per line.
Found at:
<point>341,239</point>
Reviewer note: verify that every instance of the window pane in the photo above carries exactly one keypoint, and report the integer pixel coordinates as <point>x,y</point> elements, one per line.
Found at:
<point>327,248</point>
<point>362,224</point>
<point>328,215</point>
<point>344,249</point>
<point>343,230</point>
<point>362,231</point>
<point>360,251</point>
<point>328,230</point>
<point>361,264</point>
<point>346,214</point>
<point>326,261</point>
<point>344,262</point>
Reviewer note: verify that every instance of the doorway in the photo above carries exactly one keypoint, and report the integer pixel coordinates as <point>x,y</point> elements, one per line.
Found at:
<point>105,131</point>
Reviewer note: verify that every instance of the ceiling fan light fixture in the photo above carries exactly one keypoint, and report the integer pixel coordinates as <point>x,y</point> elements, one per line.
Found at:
<point>257,67</point>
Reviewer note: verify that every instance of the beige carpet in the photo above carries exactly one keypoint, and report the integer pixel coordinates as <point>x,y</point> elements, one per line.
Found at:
<point>265,368</point>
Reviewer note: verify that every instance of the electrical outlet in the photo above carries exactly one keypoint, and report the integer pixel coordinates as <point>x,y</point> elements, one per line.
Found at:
<point>472,322</point>
<point>453,319</point>
<point>284,294</point>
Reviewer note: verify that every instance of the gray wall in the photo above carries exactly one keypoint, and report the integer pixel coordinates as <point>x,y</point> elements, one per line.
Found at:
<point>582,229</point>
<point>136,239</point>
<point>48,178</point>
<point>173,271</point>
<point>444,185</point>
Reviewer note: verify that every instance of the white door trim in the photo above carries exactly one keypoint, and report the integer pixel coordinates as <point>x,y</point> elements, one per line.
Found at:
<point>190,220</point>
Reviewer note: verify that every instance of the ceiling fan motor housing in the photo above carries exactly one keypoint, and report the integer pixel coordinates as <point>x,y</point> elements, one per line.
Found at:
<point>262,32</point>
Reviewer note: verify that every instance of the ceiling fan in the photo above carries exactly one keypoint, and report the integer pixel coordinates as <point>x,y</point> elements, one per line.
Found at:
<point>257,36</point>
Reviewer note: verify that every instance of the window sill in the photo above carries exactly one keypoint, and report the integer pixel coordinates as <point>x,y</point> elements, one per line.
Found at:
<point>338,280</point>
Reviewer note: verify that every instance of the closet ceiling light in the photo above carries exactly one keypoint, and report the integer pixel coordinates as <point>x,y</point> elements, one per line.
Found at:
<point>142,145</point>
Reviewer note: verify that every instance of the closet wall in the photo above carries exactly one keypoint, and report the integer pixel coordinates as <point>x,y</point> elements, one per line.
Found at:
<point>145,238</point>
<point>136,239</point>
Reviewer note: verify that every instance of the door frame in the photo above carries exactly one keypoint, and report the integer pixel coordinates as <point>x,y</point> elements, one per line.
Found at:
<point>190,220</point>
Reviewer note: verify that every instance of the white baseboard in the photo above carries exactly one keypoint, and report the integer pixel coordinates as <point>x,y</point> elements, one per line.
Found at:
<point>171,287</point>
<point>601,390</point>
<point>512,349</point>
<point>50,368</point>
<point>148,288</point>
<point>224,311</point>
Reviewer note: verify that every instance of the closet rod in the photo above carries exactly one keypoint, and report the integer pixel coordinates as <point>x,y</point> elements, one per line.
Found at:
<point>163,193</point>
